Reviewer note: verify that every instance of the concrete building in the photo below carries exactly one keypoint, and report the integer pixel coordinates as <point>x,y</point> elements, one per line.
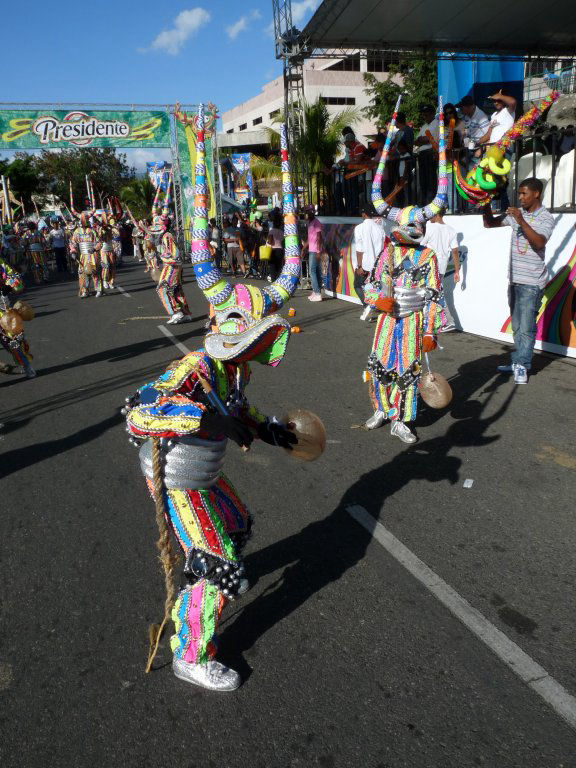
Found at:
<point>339,82</point>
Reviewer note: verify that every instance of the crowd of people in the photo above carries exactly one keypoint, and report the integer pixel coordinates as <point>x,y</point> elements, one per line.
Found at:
<point>182,421</point>
<point>413,163</point>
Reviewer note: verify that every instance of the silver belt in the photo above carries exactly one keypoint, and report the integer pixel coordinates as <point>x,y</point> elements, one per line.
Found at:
<point>86,249</point>
<point>407,301</point>
<point>189,463</point>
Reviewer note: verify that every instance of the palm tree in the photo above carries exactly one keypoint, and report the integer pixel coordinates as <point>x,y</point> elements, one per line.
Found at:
<point>139,195</point>
<point>315,149</point>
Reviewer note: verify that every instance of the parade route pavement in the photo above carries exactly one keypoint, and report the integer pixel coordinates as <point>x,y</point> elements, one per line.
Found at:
<point>410,606</point>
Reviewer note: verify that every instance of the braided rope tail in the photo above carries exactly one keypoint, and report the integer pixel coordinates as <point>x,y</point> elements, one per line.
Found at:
<point>167,555</point>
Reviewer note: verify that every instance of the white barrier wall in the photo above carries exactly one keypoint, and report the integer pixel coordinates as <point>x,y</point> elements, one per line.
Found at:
<point>479,303</point>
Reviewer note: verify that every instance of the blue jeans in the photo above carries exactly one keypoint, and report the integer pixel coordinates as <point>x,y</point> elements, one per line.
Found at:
<point>315,271</point>
<point>524,303</point>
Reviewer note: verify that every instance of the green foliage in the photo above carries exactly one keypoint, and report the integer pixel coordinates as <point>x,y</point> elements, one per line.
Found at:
<point>139,194</point>
<point>51,173</point>
<point>107,170</point>
<point>23,177</point>
<point>316,148</point>
<point>420,87</point>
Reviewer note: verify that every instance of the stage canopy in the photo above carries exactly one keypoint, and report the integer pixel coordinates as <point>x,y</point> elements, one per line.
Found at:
<point>522,27</point>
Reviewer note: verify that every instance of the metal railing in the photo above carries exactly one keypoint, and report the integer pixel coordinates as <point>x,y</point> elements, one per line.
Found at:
<point>548,155</point>
<point>538,86</point>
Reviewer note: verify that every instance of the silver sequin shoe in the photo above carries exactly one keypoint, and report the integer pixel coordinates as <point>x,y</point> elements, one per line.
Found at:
<point>401,430</point>
<point>375,421</point>
<point>211,675</point>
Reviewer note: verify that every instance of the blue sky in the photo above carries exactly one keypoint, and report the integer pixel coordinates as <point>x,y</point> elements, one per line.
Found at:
<point>141,52</point>
<point>144,52</point>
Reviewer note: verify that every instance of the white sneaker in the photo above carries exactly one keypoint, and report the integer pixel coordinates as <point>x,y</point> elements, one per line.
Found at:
<point>211,675</point>
<point>315,297</point>
<point>177,317</point>
<point>83,295</point>
<point>448,328</point>
<point>375,421</point>
<point>366,314</point>
<point>401,430</point>
<point>98,294</point>
<point>520,374</point>
<point>105,284</point>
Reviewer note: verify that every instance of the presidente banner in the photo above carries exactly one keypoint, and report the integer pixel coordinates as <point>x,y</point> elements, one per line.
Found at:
<point>26,129</point>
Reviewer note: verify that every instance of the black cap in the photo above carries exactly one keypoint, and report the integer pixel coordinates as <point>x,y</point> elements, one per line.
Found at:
<point>428,108</point>
<point>467,101</point>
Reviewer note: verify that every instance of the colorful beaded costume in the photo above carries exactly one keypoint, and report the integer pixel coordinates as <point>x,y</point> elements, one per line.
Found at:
<point>205,513</point>
<point>14,343</point>
<point>407,273</point>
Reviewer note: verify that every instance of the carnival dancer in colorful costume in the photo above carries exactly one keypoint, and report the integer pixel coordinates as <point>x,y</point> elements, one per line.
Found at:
<point>170,290</point>
<point>185,418</point>
<point>107,252</point>
<point>35,245</point>
<point>13,341</point>
<point>85,249</point>
<point>405,289</point>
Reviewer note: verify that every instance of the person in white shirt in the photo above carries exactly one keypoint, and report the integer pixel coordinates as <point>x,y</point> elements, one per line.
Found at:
<point>443,240</point>
<point>369,241</point>
<point>502,119</point>
<point>476,125</point>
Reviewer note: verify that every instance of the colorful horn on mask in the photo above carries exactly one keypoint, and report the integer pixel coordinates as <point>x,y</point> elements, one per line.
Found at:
<point>155,204</point>
<point>263,301</point>
<point>377,200</point>
<point>215,287</point>
<point>412,213</point>
<point>168,198</point>
<point>72,209</point>
<point>283,288</point>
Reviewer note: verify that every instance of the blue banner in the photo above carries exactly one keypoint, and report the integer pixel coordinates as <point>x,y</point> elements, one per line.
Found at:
<point>480,78</point>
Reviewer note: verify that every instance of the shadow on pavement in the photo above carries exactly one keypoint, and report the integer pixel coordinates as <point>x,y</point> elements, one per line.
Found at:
<point>18,459</point>
<point>325,550</point>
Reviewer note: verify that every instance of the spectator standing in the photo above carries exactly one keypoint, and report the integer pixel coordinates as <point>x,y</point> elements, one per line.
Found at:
<point>138,241</point>
<point>369,240</point>
<point>231,241</point>
<point>502,119</point>
<point>443,240</point>
<point>405,132</point>
<point>276,240</point>
<point>427,135</point>
<point>532,225</point>
<point>57,239</point>
<point>476,124</point>
<point>313,246</point>
<point>355,153</point>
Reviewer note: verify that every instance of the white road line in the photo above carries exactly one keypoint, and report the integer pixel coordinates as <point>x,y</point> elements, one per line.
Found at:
<point>182,347</point>
<point>123,291</point>
<point>531,673</point>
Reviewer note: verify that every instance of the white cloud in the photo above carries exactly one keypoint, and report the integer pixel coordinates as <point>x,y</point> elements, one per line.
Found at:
<point>301,9</point>
<point>243,22</point>
<point>185,25</point>
<point>137,158</point>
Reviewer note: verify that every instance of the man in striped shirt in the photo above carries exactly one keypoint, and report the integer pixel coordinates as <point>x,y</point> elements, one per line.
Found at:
<point>532,225</point>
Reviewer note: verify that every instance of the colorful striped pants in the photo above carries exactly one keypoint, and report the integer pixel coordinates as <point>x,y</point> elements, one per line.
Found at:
<point>398,346</point>
<point>204,520</point>
<point>171,292</point>
<point>108,260</point>
<point>20,352</point>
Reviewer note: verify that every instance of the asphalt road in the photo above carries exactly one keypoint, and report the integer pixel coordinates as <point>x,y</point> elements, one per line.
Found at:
<point>348,660</point>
